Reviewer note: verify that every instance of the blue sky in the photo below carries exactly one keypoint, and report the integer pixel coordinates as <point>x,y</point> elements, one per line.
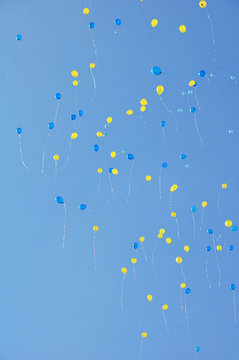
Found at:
<point>54,305</point>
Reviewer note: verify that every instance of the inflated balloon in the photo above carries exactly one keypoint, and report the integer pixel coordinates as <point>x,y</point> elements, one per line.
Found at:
<point>95,228</point>
<point>182,285</point>
<point>233,287</point>
<point>164,165</point>
<point>187,291</point>
<point>109,119</point>
<point>91,25</point>
<point>165,307</point>
<point>99,134</point>
<point>118,22</point>
<point>192,83</point>
<point>162,231</point>
<point>173,187</point>
<point>202,73</point>
<point>160,236</point>
<point>130,156</point>
<point>141,239</point>
<point>228,223</point>
<point>110,170</point>
<point>19,130</point>
<point>142,108</point>
<point>83,206</point>
<point>75,83</point>
<point>51,125</point>
<point>192,109</point>
<point>179,260</point>
<point>86,11</point>
<point>124,270</point>
<point>74,135</point>
<point>183,156</point>
<point>56,157</point>
<point>100,170</point>
<point>136,245</point>
<point>73,117</point>
<point>193,209</point>
<point>148,178</point>
<point>144,334</point>
<point>129,112</point>
<point>113,154</point>
<point>224,186</point>
<point>156,70</point>
<point>234,228</point>
<point>204,204</point>
<point>163,123</point>
<point>92,65</point>
<point>182,28</point>
<point>149,297</point>
<point>143,102</point>
<point>208,248</point>
<point>74,73</point>
<point>197,348</point>
<point>202,4</point>
<point>80,112</point>
<point>19,37</point>
<point>154,22</point>
<point>58,96</point>
<point>115,171</point>
<point>134,260</point>
<point>219,247</point>
<point>210,231</point>
<point>59,200</point>
<point>231,247</point>
<point>168,240</point>
<point>173,214</point>
<point>96,147</point>
<point>160,89</point>
<point>186,248</point>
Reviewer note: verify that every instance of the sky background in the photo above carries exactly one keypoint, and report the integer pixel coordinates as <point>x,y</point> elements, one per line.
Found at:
<point>53,304</point>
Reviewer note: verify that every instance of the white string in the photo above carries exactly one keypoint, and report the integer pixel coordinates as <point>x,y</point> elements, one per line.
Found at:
<point>44,153</point>
<point>209,282</point>
<point>20,149</point>
<point>130,176</point>
<point>213,36</point>
<point>111,187</point>
<point>234,306</point>
<point>186,314</point>
<point>198,132</point>
<point>194,227</point>
<point>164,104</point>
<point>122,292</point>
<point>179,238</point>
<point>64,230</point>
<point>165,322</point>
<point>93,82</point>
<point>94,258</point>
<point>182,273</point>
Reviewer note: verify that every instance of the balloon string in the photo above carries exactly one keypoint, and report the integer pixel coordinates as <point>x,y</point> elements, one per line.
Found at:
<point>55,170</point>
<point>179,238</point>
<point>165,322</point>
<point>20,150</point>
<point>182,273</point>
<point>94,82</point>
<point>94,46</point>
<point>209,282</point>
<point>186,314</point>
<point>99,182</point>
<point>43,154</point>
<point>218,207</point>
<point>197,102</point>
<point>134,272</point>
<point>130,176</point>
<point>213,36</point>
<point>111,187</point>
<point>153,256</point>
<point>64,230</point>
<point>57,109</point>
<point>194,227</point>
<point>144,253</point>
<point>170,202</point>
<point>94,258</point>
<point>234,307</point>
<point>164,139</point>
<point>141,349</point>
<point>198,132</point>
<point>122,293</point>
<point>201,224</point>
<point>164,104</point>
<point>160,186</point>
<point>181,300</point>
<point>76,103</point>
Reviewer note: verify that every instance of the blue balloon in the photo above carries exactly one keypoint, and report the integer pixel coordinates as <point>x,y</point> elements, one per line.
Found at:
<point>234,228</point>
<point>233,287</point>
<point>19,37</point>
<point>96,147</point>
<point>80,112</point>
<point>83,206</point>
<point>187,291</point>
<point>192,109</point>
<point>197,348</point>
<point>183,156</point>
<point>51,125</point>
<point>136,245</point>
<point>193,209</point>
<point>202,73</point>
<point>210,231</point>
<point>231,247</point>
<point>164,165</point>
<point>91,25</point>
<point>110,170</point>
<point>208,248</point>
<point>59,200</point>
<point>163,123</point>
<point>19,130</point>
<point>73,117</point>
<point>58,96</point>
<point>118,21</point>
<point>130,156</point>
<point>156,70</point>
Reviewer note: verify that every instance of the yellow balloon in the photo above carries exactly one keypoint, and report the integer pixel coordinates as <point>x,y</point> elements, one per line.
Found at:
<point>191,83</point>
<point>228,223</point>
<point>179,260</point>
<point>224,186</point>
<point>149,297</point>
<point>219,247</point>
<point>56,157</point>
<point>115,171</point>
<point>142,108</point>
<point>202,4</point>
<point>148,178</point>
<point>144,334</point>
<point>165,307</point>
<point>182,28</point>
<point>109,119</point>
<point>113,154</point>
<point>186,248</point>
<point>99,134</point>
<point>160,236</point>
<point>168,240</point>
<point>100,170</point>
<point>173,187</point>
<point>154,22</point>
<point>86,11</point>
<point>141,239</point>
<point>182,285</point>
<point>124,270</point>
<point>162,231</point>
<point>134,260</point>
<point>160,89</point>
<point>74,135</point>
<point>95,228</point>
<point>129,112</point>
<point>143,102</point>
<point>173,214</point>
<point>74,73</point>
<point>75,83</point>
<point>204,204</point>
<point>92,65</point>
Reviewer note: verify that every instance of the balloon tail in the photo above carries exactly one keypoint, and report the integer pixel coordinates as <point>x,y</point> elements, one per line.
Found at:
<point>218,207</point>
<point>134,272</point>
<point>234,306</point>
<point>182,273</point>
<point>111,187</point>
<point>98,187</point>
<point>43,154</point>
<point>194,227</point>
<point>64,229</point>
<point>94,258</point>
<point>165,322</point>
<point>57,110</point>
<point>94,82</point>
<point>186,314</point>
<point>20,150</point>
<point>55,170</point>
<point>144,253</point>
<point>94,46</point>
<point>160,185</point>
<point>122,293</point>
<point>209,282</point>
<point>181,300</point>
<point>213,36</point>
<point>170,202</point>
<point>164,139</point>
<point>178,234</point>
<point>164,104</point>
<point>196,97</point>
<point>76,102</point>
<point>130,176</point>
<point>201,224</point>
<point>141,349</point>
<point>198,132</point>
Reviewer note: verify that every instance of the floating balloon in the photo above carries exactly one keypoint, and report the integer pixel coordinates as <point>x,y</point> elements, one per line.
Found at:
<point>56,157</point>
<point>148,178</point>
<point>86,11</point>
<point>83,206</point>
<point>113,154</point>
<point>144,334</point>
<point>58,96</point>
<point>210,231</point>
<point>202,73</point>
<point>231,247</point>
<point>96,147</point>
<point>164,165</point>
<point>163,123</point>
<point>95,228</point>
<point>160,89</point>
<point>130,156</point>
<point>136,245</point>
<point>92,65</point>
<point>51,125</point>
<point>99,134</point>
<point>74,135</point>
<point>156,70</point>
<point>142,108</point>
<point>73,117</point>
<point>162,231</point>
<point>193,209</point>
<point>115,171</point>
<point>165,307</point>
<point>179,260</point>
<point>154,23</point>
<point>204,204</point>
<point>183,156</point>
<point>80,112</point>
<point>91,25</point>
<point>160,236</point>
<point>233,287</point>
<point>219,247</point>
<point>234,228</point>
<point>75,83</point>
<point>173,214</point>
<point>202,4</point>
<point>187,291</point>
<point>173,187</point>
<point>192,109</point>
<point>129,112</point>
<point>182,285</point>
<point>228,223</point>
<point>182,28</point>
<point>168,240</point>
<point>19,130</point>
<point>208,248</point>
<point>74,73</point>
<point>186,248</point>
<point>118,22</point>
<point>149,297</point>
<point>19,37</point>
<point>109,120</point>
<point>100,170</point>
<point>197,348</point>
<point>224,186</point>
<point>192,83</point>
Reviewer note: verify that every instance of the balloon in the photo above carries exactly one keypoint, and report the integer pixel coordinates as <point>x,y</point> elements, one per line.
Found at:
<point>164,165</point>
<point>168,240</point>
<point>192,83</point>
<point>96,147</point>
<point>51,125</point>
<point>74,73</point>
<point>58,96</point>
<point>19,130</point>
<point>99,134</point>
<point>134,260</point>
<point>142,108</point>
<point>91,25</point>
<point>160,89</point>
<point>149,297</point>
<point>100,170</point>
<point>82,206</point>
<point>109,119</point>
<point>202,73</point>
<point>233,287</point>
<point>173,187</point>
<point>208,248</point>
<point>115,171</point>
<point>59,200</point>
<point>56,157</point>
<point>73,117</point>
<point>95,228</point>
<point>148,178</point>
<point>144,334</point>
<point>129,112</point>
<point>74,135</point>
<point>154,22</point>
<point>92,65</point>
<point>165,307</point>
<point>124,270</point>
<point>173,214</point>
<point>162,231</point>
<point>113,154</point>
<point>224,186</point>
<point>19,37</point>
<point>202,4</point>
<point>197,348</point>
<point>183,156</point>
<point>228,223</point>
<point>156,70</point>
<point>130,156</point>
<point>193,209</point>
<point>118,22</point>
<point>231,247</point>
<point>80,112</point>
<point>204,204</point>
<point>186,248</point>
<point>75,83</point>
<point>160,236</point>
<point>182,285</point>
<point>136,245</point>
<point>163,123</point>
<point>192,109</point>
<point>179,260</point>
<point>210,231</point>
<point>182,28</point>
<point>219,247</point>
<point>141,239</point>
<point>86,11</point>
<point>187,291</point>
<point>143,102</point>
<point>234,228</point>
<point>110,170</point>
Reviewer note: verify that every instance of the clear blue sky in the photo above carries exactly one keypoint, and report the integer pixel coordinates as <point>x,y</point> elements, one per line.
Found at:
<point>53,304</point>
